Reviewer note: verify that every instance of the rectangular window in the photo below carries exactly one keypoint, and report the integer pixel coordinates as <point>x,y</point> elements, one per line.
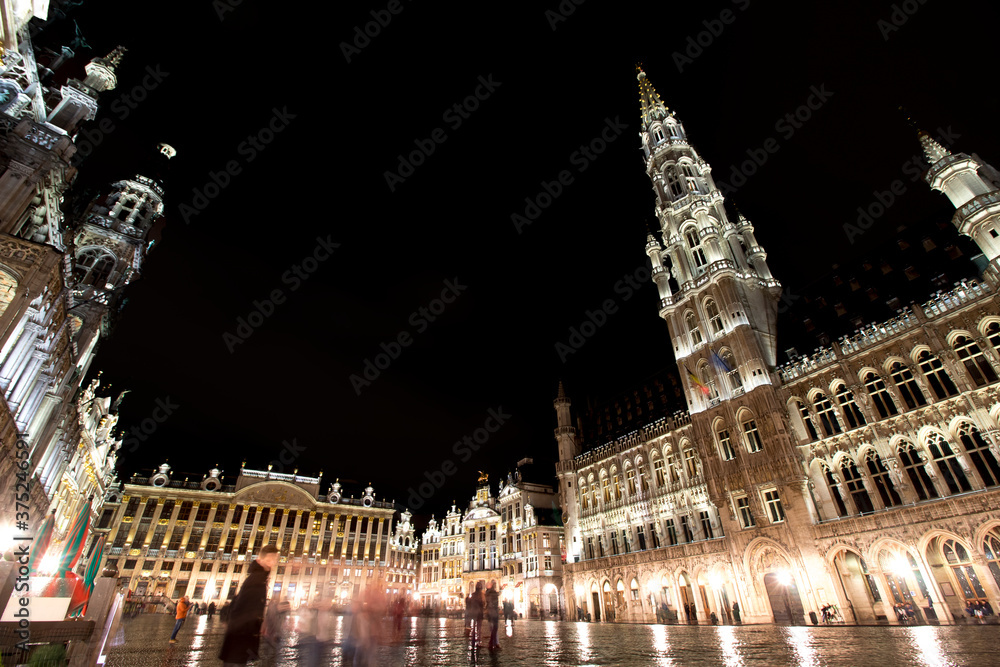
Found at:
<point>706,525</point>
<point>658,472</point>
<point>654,536</point>
<point>773,504</point>
<point>641,535</point>
<point>743,508</point>
<point>686,529</point>
<point>671,532</point>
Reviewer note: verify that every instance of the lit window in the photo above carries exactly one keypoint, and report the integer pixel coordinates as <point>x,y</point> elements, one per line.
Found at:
<point>753,440</point>
<point>692,326</point>
<point>948,464</point>
<point>880,395</point>
<point>937,377</point>
<point>714,317</point>
<point>915,470</point>
<point>773,504</point>
<point>850,407</point>
<point>743,509</point>
<point>979,451</point>
<point>976,364</point>
<point>726,445</point>
<point>907,386</point>
<point>827,415</point>
<point>856,486</point>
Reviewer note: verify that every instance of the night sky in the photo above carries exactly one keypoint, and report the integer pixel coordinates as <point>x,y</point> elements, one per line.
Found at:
<point>548,85</point>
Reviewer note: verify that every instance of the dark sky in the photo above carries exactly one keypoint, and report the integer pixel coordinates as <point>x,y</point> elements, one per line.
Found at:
<point>553,91</point>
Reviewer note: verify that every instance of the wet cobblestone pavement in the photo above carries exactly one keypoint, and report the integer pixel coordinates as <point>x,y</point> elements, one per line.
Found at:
<point>434,642</point>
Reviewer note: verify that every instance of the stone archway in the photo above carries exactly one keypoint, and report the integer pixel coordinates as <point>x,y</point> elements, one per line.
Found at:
<point>595,597</point>
<point>855,587</point>
<point>783,596</point>
<point>608,601</point>
<point>776,581</point>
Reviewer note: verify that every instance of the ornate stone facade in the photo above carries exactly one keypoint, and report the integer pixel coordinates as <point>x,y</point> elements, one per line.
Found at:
<point>864,476</point>
<point>177,538</point>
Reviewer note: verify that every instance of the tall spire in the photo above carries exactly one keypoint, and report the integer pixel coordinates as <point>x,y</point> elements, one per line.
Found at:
<point>650,104</point>
<point>932,149</point>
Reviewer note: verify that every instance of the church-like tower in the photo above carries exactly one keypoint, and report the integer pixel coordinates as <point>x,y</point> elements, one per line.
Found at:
<point>720,303</point>
<point>973,186</point>
<point>569,447</point>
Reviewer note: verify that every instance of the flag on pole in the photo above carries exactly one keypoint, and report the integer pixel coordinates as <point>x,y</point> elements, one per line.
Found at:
<point>694,378</point>
<point>720,363</point>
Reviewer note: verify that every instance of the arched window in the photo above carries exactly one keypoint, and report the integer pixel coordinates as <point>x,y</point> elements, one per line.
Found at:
<point>991,549</point>
<point>751,434</point>
<point>630,481</point>
<point>729,364</point>
<point>907,386</point>
<point>691,177</point>
<point>708,377</point>
<point>725,443</point>
<point>915,470</point>
<point>643,478</point>
<point>993,334</point>
<point>584,503</point>
<point>937,377</point>
<point>675,131</point>
<point>961,565</point>
<point>714,317</point>
<point>606,488</point>
<point>979,451</point>
<point>691,462</point>
<point>827,415</point>
<point>948,464</point>
<point>883,483</point>
<point>807,421</point>
<point>697,252</point>
<point>93,266</point>
<point>673,475</point>
<point>692,326</point>
<point>658,473</point>
<point>674,183</point>
<point>658,135</point>
<point>617,484</point>
<point>593,493</point>
<point>834,485</point>
<point>976,364</point>
<point>856,486</point>
<point>850,407</point>
<point>880,395</point>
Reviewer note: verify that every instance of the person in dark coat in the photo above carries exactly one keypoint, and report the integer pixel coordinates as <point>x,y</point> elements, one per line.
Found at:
<point>246,614</point>
<point>493,613</point>
<point>478,607</point>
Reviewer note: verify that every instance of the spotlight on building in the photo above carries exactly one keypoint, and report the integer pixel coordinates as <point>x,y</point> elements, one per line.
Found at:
<point>784,577</point>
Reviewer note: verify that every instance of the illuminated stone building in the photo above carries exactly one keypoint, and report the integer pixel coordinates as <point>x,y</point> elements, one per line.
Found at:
<point>515,539</point>
<point>442,560</point>
<point>173,538</point>
<point>532,550</point>
<point>864,475</point>
<point>61,277</point>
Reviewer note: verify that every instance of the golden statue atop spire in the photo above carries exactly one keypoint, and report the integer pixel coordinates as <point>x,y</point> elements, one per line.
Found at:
<point>483,477</point>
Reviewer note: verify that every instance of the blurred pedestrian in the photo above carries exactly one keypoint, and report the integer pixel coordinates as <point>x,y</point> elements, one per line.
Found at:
<point>468,614</point>
<point>492,598</point>
<point>246,615</point>
<point>181,612</point>
<point>478,607</point>
<point>211,610</point>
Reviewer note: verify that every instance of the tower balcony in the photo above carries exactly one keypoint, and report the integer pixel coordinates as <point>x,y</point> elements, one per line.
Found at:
<point>975,211</point>
<point>756,251</point>
<point>708,232</point>
<point>564,430</point>
<point>659,271</point>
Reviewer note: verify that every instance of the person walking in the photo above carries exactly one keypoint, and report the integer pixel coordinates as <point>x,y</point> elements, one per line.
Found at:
<point>478,607</point>
<point>493,613</point>
<point>468,614</point>
<point>246,614</point>
<point>736,613</point>
<point>211,610</point>
<point>182,608</point>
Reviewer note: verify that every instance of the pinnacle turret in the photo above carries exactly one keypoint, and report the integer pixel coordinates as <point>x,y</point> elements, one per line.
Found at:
<point>650,105</point>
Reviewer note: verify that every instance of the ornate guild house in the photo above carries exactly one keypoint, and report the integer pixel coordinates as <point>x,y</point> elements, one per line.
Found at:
<point>173,538</point>
<point>865,475</point>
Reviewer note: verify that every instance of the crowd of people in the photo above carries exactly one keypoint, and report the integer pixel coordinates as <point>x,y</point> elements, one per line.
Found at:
<point>485,604</point>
